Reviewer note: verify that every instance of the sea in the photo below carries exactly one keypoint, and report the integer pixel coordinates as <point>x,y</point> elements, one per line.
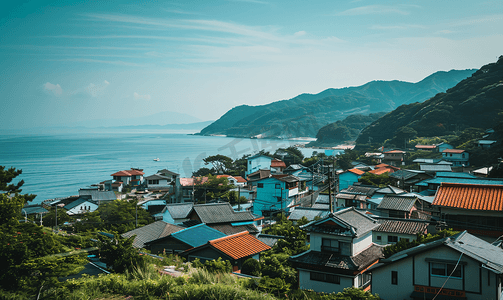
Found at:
<point>58,165</point>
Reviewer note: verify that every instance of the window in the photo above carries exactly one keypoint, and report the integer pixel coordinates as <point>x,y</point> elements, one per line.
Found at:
<point>260,185</point>
<point>394,277</point>
<point>325,277</point>
<point>156,181</point>
<point>379,238</point>
<point>392,239</point>
<point>364,280</point>
<point>278,186</point>
<point>438,269</point>
<point>330,245</point>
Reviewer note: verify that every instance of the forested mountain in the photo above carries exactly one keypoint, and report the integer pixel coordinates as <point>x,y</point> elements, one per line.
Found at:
<point>473,102</point>
<point>305,114</point>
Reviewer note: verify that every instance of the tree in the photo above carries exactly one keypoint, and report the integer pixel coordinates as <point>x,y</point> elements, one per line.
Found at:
<point>11,202</point>
<point>221,163</point>
<point>203,172</point>
<point>381,180</point>
<point>251,266</point>
<point>118,253</point>
<point>213,188</point>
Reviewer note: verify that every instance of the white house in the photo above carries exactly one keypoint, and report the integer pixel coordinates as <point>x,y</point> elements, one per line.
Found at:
<point>458,267</point>
<point>257,162</point>
<point>133,177</point>
<point>80,206</point>
<point>341,251</point>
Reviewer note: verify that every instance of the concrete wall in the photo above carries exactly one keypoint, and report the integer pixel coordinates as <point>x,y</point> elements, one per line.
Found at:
<point>305,283</point>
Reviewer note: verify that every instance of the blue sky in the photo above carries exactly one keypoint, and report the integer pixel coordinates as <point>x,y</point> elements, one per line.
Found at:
<point>72,61</point>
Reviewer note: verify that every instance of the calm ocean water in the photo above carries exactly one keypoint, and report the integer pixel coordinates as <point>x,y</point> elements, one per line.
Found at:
<point>58,165</point>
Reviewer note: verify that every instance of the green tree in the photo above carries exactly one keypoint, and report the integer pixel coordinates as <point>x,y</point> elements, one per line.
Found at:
<point>118,253</point>
<point>252,267</point>
<point>11,201</point>
<point>213,188</point>
<point>221,163</point>
<point>381,180</point>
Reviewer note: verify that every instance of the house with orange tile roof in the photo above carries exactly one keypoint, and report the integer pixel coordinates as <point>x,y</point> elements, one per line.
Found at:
<point>458,157</point>
<point>235,248</point>
<point>474,207</point>
<point>133,177</point>
<point>426,147</point>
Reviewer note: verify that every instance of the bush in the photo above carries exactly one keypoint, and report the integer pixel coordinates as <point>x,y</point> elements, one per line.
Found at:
<point>251,267</point>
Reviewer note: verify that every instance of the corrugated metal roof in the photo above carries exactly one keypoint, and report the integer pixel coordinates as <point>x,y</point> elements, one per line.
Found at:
<point>440,180</point>
<point>369,191</point>
<point>239,245</point>
<point>397,202</point>
<point>309,213</point>
<point>435,168</point>
<point>453,151</point>
<point>198,235</point>
<point>356,171</point>
<point>470,196</point>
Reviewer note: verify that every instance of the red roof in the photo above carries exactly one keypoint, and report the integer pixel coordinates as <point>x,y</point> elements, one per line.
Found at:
<point>426,146</point>
<point>395,151</point>
<point>356,171</point>
<point>381,171</point>
<point>226,176</point>
<point>240,179</point>
<point>453,151</point>
<point>276,163</point>
<point>470,196</point>
<point>128,173</point>
<point>386,166</point>
<point>239,245</point>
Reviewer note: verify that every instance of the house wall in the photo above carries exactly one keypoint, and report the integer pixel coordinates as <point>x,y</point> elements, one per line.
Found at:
<point>474,279</point>
<point>316,241</point>
<point>346,179</point>
<point>266,195</point>
<point>163,183</point>
<point>153,202</point>
<point>305,283</point>
<point>169,245</point>
<point>361,243</point>
<point>384,237</point>
<point>257,163</point>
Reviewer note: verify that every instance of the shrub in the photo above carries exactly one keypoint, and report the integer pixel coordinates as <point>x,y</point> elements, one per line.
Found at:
<point>251,266</point>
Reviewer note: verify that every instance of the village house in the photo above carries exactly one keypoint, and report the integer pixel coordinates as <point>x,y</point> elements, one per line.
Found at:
<point>177,213</point>
<point>235,248</point>
<point>398,206</point>
<point>458,267</point>
<point>81,206</point>
<point>276,193</point>
<point>473,207</point>
<point>458,157</point>
<point>340,253</point>
<point>426,147</point>
<point>133,177</point>
<point>349,177</point>
<point>394,157</point>
<point>391,231</point>
<point>184,239</point>
<point>150,232</point>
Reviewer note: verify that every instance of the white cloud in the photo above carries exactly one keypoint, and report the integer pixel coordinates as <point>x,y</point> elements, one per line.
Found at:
<point>54,88</point>
<point>373,10</point>
<point>96,90</point>
<point>141,97</point>
<point>300,33</point>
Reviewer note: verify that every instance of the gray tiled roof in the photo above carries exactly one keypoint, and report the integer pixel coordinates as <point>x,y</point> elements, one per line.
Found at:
<point>179,210</point>
<point>269,240</point>
<point>98,195</point>
<point>401,226</point>
<point>397,202</point>
<point>321,206</point>
<point>404,174</point>
<point>229,229</point>
<point>220,213</point>
<point>151,232</point>
<point>326,259</point>
<point>309,213</point>
<point>361,222</point>
<point>157,176</point>
<point>369,191</point>
<point>351,197</point>
<point>77,202</point>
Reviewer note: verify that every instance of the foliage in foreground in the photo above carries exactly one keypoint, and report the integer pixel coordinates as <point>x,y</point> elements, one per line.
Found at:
<point>421,239</point>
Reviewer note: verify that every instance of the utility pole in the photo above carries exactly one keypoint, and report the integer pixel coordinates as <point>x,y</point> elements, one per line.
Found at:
<point>330,192</point>
<point>239,195</point>
<point>136,212</point>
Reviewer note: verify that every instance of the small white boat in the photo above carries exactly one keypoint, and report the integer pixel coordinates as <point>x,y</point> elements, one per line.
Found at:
<point>156,159</point>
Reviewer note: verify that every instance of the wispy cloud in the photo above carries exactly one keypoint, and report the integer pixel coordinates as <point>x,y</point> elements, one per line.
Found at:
<point>53,88</point>
<point>141,97</point>
<point>96,90</point>
<point>397,27</point>
<point>373,10</point>
<point>109,62</point>
<point>478,20</point>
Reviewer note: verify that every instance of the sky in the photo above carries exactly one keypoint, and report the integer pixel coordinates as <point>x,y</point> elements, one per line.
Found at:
<point>66,62</point>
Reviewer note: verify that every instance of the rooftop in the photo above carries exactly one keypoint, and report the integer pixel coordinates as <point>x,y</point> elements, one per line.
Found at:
<point>198,235</point>
<point>470,196</point>
<point>397,202</point>
<point>151,232</point>
<point>239,245</point>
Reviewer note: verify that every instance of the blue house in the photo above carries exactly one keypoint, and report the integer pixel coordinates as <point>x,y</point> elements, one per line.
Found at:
<point>349,177</point>
<point>258,162</point>
<point>276,193</point>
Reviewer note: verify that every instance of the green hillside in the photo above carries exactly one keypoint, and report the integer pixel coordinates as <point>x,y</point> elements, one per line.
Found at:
<point>473,103</point>
<point>305,114</point>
